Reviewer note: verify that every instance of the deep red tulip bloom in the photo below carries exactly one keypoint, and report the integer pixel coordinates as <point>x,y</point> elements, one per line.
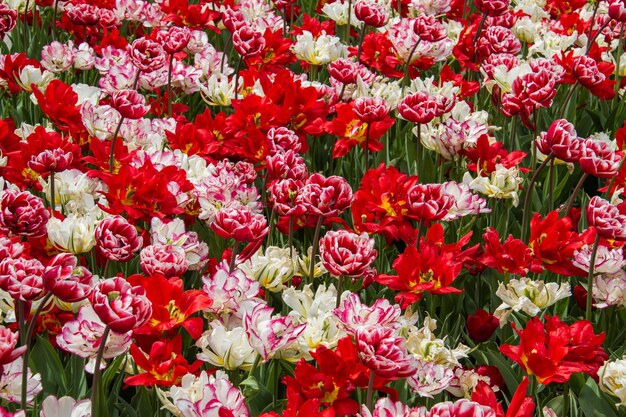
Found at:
<point>432,267</point>
<point>481,325</point>
<point>553,242</point>
<point>371,13</point>
<point>511,256</point>
<point>492,7</point>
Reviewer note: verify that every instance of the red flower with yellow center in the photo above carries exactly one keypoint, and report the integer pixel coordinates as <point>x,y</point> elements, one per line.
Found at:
<point>431,267</point>
<point>164,365</point>
<point>351,131</point>
<point>171,306</point>
<point>380,204</point>
<point>554,351</point>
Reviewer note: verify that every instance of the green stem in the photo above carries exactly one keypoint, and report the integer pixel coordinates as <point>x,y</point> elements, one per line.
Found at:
<point>595,35</point>
<point>348,24</point>
<point>362,36</point>
<point>95,411</point>
<point>479,30</point>
<point>418,157</point>
<point>567,99</point>
<point>52,198</point>
<point>233,256</point>
<point>339,290</point>
<point>169,85</point>
<point>112,153</point>
<point>370,390</point>
<point>54,18</point>
<point>29,336</point>
<point>527,197</point>
<point>592,264</point>
<point>570,202</point>
<point>314,247</point>
<point>566,399</point>
<point>290,237</point>
<point>406,80</point>
<point>21,320</point>
<point>619,57</point>
<point>367,147</point>
<point>255,365</point>
<point>237,77</point>
<point>551,187</point>
<point>26,26</point>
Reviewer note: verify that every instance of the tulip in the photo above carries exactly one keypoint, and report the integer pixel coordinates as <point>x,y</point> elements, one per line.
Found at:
<point>492,7</point>
<point>119,305</point>
<point>347,254</point>
<point>116,239</point>
<point>481,325</point>
<point>147,55</point>
<point>174,40</point>
<point>609,220</point>
<point>167,260</point>
<point>23,213</point>
<point>22,278</point>
<point>384,353</point>
<point>371,13</point>
<point>130,104</point>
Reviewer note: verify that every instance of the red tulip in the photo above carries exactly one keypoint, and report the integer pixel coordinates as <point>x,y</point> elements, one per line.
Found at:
<point>370,110</point>
<point>481,325</point>
<point>371,13</point>
<point>492,7</point>
<point>554,351</point>
<point>22,278</point>
<point>119,305</point>
<point>617,10</point>
<point>247,41</point>
<point>23,213</point>
<point>67,281</point>
<point>174,40</point>
<point>147,55</point>
<point>240,224</point>
<point>347,254</point>
<point>116,239</point>
<point>598,159</point>
<point>8,19</point>
<point>609,220</point>
<point>427,202</point>
<point>561,140</point>
<point>420,107</point>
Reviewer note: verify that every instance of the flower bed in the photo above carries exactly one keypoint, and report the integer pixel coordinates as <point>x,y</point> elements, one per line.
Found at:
<point>365,208</point>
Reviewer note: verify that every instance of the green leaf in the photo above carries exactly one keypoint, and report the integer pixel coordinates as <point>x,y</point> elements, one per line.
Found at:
<point>257,395</point>
<point>77,380</point>
<point>45,360</point>
<point>593,403</point>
